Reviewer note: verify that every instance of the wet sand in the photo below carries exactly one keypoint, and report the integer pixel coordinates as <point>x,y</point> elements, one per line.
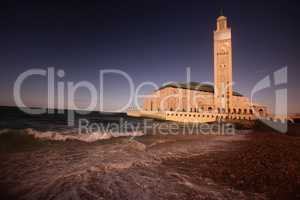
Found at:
<point>247,166</point>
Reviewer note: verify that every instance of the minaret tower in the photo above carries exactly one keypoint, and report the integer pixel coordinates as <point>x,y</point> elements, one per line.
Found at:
<point>222,66</point>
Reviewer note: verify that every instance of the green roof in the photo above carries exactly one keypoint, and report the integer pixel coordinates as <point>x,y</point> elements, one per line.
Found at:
<point>195,86</point>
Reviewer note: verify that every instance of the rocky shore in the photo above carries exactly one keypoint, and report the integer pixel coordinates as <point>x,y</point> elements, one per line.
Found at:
<point>265,163</point>
<point>250,165</point>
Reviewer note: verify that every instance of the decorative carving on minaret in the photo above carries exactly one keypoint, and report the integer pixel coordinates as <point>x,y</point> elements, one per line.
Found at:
<point>222,65</point>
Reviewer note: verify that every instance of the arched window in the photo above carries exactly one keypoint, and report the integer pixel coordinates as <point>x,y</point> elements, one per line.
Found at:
<point>234,110</point>
<point>245,111</point>
<point>209,109</point>
<point>251,111</point>
<point>261,112</point>
<point>240,111</point>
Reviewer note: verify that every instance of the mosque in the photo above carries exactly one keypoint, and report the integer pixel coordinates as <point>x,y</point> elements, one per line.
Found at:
<point>197,102</point>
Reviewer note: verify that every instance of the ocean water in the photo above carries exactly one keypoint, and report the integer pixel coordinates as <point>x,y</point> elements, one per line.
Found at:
<point>103,164</point>
<point>94,126</point>
<point>55,126</point>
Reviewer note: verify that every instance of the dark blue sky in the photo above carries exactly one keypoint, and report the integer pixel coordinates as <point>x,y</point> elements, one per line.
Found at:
<point>150,40</point>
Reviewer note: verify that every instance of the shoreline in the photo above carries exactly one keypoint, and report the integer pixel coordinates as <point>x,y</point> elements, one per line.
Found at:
<point>159,167</point>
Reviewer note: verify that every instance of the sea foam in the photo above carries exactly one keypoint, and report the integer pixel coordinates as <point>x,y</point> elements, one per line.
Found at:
<point>86,137</point>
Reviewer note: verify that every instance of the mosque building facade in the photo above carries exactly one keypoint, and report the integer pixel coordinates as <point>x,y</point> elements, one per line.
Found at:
<point>197,102</point>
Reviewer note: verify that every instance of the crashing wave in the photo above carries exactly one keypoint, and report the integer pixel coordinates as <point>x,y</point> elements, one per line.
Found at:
<point>86,137</point>
<point>4,131</point>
